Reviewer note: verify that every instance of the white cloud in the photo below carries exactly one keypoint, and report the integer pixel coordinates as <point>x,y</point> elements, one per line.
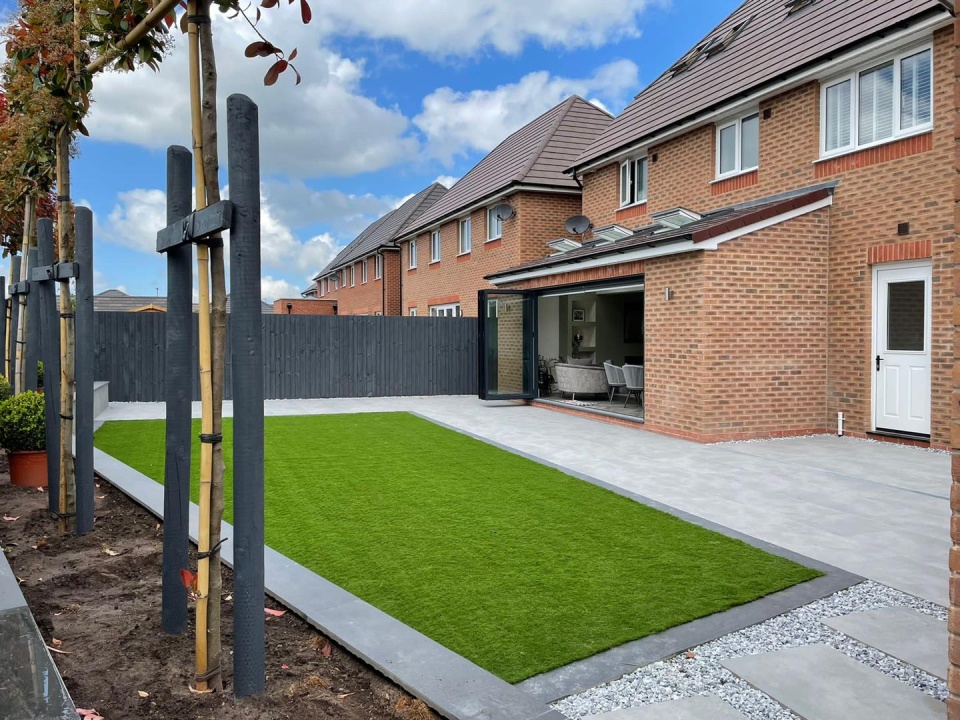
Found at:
<point>457,122</point>
<point>440,27</point>
<point>323,126</point>
<point>297,205</point>
<point>135,219</point>
<point>447,181</point>
<point>273,288</point>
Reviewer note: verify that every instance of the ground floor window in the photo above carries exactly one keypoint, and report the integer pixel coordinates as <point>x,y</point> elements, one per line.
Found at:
<point>448,310</point>
<point>413,312</point>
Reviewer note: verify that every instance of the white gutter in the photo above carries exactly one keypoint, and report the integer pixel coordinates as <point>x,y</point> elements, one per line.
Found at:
<point>881,46</point>
<point>484,203</point>
<point>674,248</point>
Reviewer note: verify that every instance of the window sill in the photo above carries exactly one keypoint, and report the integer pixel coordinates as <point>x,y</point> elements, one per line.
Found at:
<point>494,239</point>
<point>731,176</point>
<point>851,151</point>
<point>463,257</point>
<point>411,271</point>
<point>632,205</point>
<point>464,254</point>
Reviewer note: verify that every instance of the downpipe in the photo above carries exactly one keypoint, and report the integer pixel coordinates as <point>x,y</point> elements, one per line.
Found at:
<point>839,424</point>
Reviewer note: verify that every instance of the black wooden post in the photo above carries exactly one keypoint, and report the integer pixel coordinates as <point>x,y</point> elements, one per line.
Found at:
<point>246,349</point>
<point>32,348</point>
<point>3,326</point>
<point>177,393</point>
<point>83,354</point>
<point>14,321</point>
<point>50,346</point>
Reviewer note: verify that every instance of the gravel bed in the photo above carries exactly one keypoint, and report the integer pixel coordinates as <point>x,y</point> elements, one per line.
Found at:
<point>699,672</point>
<point>845,438</point>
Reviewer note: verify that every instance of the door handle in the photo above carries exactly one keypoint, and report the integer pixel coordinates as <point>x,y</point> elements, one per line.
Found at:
<point>878,363</point>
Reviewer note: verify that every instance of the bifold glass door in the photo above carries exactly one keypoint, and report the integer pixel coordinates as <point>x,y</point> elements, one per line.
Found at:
<point>507,344</point>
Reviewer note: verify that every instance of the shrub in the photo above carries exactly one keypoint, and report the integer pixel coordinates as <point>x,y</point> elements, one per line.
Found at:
<point>39,374</point>
<point>4,389</point>
<point>22,422</point>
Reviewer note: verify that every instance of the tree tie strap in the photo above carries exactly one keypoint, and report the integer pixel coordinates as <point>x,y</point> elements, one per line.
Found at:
<point>211,438</point>
<point>67,315</point>
<point>199,19</point>
<point>66,417</point>
<point>63,198</point>
<point>214,242</point>
<point>212,551</point>
<point>209,674</point>
<point>63,515</point>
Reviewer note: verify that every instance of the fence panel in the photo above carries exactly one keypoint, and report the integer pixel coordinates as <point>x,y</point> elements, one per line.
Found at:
<point>305,356</point>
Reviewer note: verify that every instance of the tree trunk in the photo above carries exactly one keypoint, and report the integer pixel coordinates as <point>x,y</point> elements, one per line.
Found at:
<point>65,244</point>
<point>218,329</point>
<point>28,222</point>
<point>9,308</point>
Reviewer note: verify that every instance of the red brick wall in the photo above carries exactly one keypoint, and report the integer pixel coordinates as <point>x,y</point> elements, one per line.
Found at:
<point>539,218</point>
<point>953,620</point>
<point>367,298</point>
<point>902,182</point>
<point>302,306</point>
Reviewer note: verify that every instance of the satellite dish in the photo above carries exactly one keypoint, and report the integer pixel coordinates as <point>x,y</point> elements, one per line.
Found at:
<point>504,211</point>
<point>578,224</point>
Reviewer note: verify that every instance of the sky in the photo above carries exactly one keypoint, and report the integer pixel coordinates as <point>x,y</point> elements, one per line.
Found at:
<point>396,94</point>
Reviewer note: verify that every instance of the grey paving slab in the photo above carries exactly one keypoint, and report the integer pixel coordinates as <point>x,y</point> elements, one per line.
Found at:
<point>915,638</point>
<point>876,510</point>
<point>699,707</point>
<point>444,680</point>
<point>820,683</point>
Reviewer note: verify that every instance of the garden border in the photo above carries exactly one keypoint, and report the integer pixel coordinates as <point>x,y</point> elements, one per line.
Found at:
<point>607,665</point>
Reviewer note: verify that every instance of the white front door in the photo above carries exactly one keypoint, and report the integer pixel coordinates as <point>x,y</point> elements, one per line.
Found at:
<point>901,332</point>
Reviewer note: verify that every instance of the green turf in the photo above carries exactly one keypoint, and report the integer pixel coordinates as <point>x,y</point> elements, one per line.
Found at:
<point>514,565</point>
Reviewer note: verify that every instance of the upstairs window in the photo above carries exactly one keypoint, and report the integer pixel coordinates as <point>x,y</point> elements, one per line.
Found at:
<point>879,104</point>
<point>363,271</point>
<point>377,267</point>
<point>323,288</point>
<point>353,275</point>
<point>633,182</point>
<point>413,254</point>
<point>435,246</point>
<point>494,225</point>
<point>738,146</point>
<point>465,233</point>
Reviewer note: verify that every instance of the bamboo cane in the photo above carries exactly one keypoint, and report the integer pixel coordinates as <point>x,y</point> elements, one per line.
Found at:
<point>6,309</point>
<point>67,502</point>
<point>206,385</point>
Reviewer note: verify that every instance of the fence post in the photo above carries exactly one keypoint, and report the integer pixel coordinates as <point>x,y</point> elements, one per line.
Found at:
<point>50,347</point>
<point>177,394</point>
<point>32,350</point>
<point>3,326</point>
<point>14,322</point>
<point>83,353</point>
<point>246,350</point>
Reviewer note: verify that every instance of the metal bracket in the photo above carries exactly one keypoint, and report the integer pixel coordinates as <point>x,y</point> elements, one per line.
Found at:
<point>196,227</point>
<point>58,271</point>
<point>20,288</point>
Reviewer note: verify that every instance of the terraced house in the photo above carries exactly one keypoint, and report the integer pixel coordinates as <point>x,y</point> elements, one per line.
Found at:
<point>772,233</point>
<point>364,278</point>
<point>501,213</point>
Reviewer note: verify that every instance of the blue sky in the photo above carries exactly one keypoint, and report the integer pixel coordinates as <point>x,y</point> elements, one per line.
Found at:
<point>395,94</point>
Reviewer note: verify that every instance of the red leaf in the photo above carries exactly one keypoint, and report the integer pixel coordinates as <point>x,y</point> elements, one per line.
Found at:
<point>284,667</point>
<point>254,48</point>
<point>269,3</point>
<point>297,72</point>
<point>275,613</point>
<point>189,580</point>
<point>274,72</point>
<point>305,14</point>
<point>170,19</point>
<point>327,649</point>
<point>293,55</point>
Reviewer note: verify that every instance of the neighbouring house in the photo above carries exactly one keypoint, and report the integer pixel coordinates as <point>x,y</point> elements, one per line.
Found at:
<point>364,278</point>
<point>304,306</point>
<point>118,301</point>
<point>501,213</point>
<point>772,234</point>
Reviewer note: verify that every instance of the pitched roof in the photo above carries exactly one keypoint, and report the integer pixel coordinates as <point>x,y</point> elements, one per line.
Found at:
<point>385,229</point>
<point>773,45</point>
<point>114,300</point>
<point>536,154</point>
<point>708,226</point>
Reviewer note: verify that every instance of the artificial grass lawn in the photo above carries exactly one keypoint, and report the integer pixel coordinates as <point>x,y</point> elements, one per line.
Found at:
<point>514,565</point>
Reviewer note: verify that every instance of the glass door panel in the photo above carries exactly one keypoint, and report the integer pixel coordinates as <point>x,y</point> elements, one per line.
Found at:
<point>507,344</point>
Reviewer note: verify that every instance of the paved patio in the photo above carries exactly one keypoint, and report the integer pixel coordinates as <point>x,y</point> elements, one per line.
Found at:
<point>877,510</point>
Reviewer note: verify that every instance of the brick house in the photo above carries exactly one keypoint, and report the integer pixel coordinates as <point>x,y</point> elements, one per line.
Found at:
<point>772,232</point>
<point>364,278</point>
<point>307,305</point>
<point>446,253</point>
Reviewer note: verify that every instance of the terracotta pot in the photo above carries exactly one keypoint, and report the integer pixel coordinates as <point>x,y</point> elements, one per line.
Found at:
<point>28,468</point>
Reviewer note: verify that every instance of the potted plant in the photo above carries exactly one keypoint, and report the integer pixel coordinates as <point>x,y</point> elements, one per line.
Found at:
<point>23,436</point>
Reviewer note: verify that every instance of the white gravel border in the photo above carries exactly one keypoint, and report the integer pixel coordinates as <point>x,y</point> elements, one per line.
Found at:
<point>699,672</point>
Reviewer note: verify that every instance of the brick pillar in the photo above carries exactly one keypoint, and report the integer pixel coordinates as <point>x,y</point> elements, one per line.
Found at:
<point>953,677</point>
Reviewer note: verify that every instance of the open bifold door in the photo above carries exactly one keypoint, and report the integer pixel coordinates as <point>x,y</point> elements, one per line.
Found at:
<point>507,344</point>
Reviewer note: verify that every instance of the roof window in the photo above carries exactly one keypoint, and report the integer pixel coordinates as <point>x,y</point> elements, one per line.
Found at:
<point>711,47</point>
<point>793,6</point>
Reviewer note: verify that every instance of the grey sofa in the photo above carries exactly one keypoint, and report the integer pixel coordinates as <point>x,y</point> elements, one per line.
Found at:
<point>584,379</point>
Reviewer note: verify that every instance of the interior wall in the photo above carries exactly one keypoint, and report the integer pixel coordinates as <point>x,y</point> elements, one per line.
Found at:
<point>610,316</point>
<point>548,327</point>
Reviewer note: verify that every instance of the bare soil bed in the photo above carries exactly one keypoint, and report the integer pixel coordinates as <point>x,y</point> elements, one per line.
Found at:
<point>105,610</point>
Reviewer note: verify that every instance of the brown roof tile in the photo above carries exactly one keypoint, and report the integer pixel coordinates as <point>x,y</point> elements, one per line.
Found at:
<point>536,154</point>
<point>772,46</point>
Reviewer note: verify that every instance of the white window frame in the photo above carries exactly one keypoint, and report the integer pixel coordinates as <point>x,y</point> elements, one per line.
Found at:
<point>412,255</point>
<point>626,198</point>
<point>377,267</point>
<point>737,122</point>
<point>854,78</point>
<point>493,222</point>
<point>446,310</point>
<point>353,275</point>
<point>412,312</point>
<point>468,223</point>
<point>323,287</point>
<point>435,246</point>
<point>363,271</point>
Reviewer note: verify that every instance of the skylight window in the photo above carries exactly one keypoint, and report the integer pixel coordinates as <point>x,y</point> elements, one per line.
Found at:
<point>793,6</point>
<point>709,48</point>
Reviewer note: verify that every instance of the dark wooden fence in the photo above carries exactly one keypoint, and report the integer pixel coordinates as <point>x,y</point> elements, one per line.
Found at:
<point>306,356</point>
